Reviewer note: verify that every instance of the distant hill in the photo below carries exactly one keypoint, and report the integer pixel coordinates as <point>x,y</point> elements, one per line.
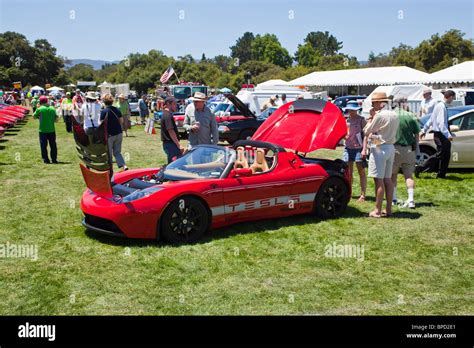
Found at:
<point>96,63</point>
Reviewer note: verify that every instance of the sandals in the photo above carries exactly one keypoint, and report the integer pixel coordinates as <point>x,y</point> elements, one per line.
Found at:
<point>361,199</point>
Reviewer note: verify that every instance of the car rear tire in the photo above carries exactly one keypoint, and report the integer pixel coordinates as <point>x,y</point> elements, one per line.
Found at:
<point>184,221</point>
<point>332,198</point>
<point>246,133</point>
<point>425,153</point>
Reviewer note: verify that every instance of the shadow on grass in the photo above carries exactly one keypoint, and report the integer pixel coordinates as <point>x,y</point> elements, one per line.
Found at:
<point>226,232</point>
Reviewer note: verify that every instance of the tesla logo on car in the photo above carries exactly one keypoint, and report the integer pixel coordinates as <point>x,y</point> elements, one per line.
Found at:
<point>263,203</point>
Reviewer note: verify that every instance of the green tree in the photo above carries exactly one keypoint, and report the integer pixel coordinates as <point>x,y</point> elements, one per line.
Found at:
<point>323,42</point>
<point>267,48</point>
<point>84,72</point>
<point>242,50</point>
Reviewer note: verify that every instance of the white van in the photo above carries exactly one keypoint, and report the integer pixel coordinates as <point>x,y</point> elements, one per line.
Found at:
<point>255,98</point>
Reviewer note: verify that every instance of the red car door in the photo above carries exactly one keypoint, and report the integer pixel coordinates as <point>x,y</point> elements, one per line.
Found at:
<point>257,196</point>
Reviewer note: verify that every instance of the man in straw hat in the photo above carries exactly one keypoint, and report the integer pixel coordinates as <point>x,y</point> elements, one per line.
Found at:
<point>200,122</point>
<point>90,111</point>
<point>381,129</point>
<point>438,123</point>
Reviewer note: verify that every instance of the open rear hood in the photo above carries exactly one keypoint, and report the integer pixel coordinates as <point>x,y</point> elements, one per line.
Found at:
<point>304,126</point>
<point>240,105</point>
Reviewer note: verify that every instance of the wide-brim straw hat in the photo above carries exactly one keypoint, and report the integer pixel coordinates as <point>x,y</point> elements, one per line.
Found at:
<point>198,96</point>
<point>379,96</point>
<point>91,95</point>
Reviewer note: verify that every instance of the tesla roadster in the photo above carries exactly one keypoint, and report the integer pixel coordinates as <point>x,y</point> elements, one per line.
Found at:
<point>212,186</point>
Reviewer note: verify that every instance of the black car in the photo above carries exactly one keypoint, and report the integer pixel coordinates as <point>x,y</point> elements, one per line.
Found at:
<point>243,129</point>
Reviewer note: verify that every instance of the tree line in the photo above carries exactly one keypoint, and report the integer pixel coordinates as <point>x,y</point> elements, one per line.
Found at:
<point>261,55</point>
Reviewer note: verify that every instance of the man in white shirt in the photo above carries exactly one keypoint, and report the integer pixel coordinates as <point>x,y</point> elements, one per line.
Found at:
<point>91,111</point>
<point>438,123</point>
<point>427,104</point>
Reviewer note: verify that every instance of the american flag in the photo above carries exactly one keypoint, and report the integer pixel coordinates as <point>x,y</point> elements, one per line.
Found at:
<point>167,74</point>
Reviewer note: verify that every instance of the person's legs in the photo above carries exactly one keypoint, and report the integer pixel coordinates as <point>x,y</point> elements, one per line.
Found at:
<point>53,147</point>
<point>362,180</point>
<point>445,156</point>
<point>117,150</point>
<point>43,138</point>
<point>389,156</point>
<point>379,194</point>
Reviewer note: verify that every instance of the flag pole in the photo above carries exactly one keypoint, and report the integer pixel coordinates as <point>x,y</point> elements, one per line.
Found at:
<point>176,76</point>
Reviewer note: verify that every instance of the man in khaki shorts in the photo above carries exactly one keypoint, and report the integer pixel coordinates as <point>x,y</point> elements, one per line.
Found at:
<point>406,150</point>
<point>381,129</point>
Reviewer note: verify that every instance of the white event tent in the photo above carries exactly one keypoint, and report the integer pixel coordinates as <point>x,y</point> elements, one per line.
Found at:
<point>459,73</point>
<point>361,77</point>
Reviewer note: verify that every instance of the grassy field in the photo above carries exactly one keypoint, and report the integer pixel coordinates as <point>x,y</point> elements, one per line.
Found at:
<point>419,262</point>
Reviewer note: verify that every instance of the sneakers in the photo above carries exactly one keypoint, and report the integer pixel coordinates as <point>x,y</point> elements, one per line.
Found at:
<point>407,204</point>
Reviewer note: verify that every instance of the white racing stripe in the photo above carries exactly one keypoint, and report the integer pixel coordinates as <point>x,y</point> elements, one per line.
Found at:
<point>263,203</point>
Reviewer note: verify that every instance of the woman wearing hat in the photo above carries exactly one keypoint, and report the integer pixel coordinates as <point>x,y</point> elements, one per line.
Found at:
<point>381,128</point>
<point>354,145</point>
<point>124,107</point>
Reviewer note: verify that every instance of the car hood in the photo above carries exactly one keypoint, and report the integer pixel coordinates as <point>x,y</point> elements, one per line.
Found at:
<point>304,126</point>
<point>245,111</point>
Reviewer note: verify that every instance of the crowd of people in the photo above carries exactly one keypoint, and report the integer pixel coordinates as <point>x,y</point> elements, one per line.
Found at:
<point>391,135</point>
<point>386,142</point>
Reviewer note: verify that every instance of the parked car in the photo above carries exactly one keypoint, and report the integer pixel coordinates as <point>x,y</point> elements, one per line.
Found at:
<point>241,112</point>
<point>214,186</point>
<point>133,102</point>
<point>341,102</point>
<point>243,129</point>
<point>461,124</point>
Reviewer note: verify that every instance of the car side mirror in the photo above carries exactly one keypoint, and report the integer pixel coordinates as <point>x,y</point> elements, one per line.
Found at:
<point>453,128</point>
<point>240,172</point>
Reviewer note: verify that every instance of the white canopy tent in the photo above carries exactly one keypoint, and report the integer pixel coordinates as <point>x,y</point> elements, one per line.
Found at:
<point>459,73</point>
<point>361,77</point>
<point>36,88</point>
<point>55,89</point>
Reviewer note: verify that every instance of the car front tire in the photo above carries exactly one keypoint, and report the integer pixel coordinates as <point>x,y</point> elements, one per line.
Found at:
<point>184,221</point>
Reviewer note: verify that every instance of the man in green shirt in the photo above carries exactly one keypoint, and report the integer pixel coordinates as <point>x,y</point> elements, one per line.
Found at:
<point>47,133</point>
<point>34,103</point>
<point>406,150</point>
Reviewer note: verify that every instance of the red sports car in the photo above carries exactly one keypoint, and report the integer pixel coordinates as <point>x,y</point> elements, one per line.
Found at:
<point>213,186</point>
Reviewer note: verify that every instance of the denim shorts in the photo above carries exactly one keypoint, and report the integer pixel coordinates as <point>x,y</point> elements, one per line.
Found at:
<point>171,150</point>
<point>352,155</point>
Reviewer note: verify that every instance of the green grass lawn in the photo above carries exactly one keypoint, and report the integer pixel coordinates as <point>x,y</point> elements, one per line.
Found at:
<point>419,262</point>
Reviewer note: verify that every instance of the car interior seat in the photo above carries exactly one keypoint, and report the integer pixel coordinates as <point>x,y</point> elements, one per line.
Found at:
<point>241,160</point>
<point>260,164</point>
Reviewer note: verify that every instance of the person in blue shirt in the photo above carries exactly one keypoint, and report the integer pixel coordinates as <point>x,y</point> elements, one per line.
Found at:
<point>114,130</point>
<point>438,123</point>
<point>143,109</point>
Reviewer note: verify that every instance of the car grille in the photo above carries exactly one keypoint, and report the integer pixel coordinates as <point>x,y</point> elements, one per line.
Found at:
<point>102,223</point>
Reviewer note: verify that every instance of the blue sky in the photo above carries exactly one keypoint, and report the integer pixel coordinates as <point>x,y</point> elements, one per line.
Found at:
<point>110,29</point>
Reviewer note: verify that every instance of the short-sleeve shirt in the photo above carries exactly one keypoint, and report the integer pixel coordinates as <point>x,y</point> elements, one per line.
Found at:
<point>407,129</point>
<point>167,123</point>
<point>47,117</point>
<point>113,124</point>
<point>428,105</point>
<point>385,124</point>
<point>355,127</point>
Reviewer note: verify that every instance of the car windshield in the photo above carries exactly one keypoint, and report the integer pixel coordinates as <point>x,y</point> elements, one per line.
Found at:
<point>181,92</point>
<point>202,162</point>
<point>266,113</point>
<point>221,107</point>
<point>133,100</point>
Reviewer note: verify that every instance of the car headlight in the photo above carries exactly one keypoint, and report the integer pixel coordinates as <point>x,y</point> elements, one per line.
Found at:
<point>141,194</point>
<point>223,129</point>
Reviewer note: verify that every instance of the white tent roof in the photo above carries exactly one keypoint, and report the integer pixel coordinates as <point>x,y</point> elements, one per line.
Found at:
<point>51,89</point>
<point>361,77</point>
<point>37,88</point>
<point>273,83</point>
<point>459,73</point>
